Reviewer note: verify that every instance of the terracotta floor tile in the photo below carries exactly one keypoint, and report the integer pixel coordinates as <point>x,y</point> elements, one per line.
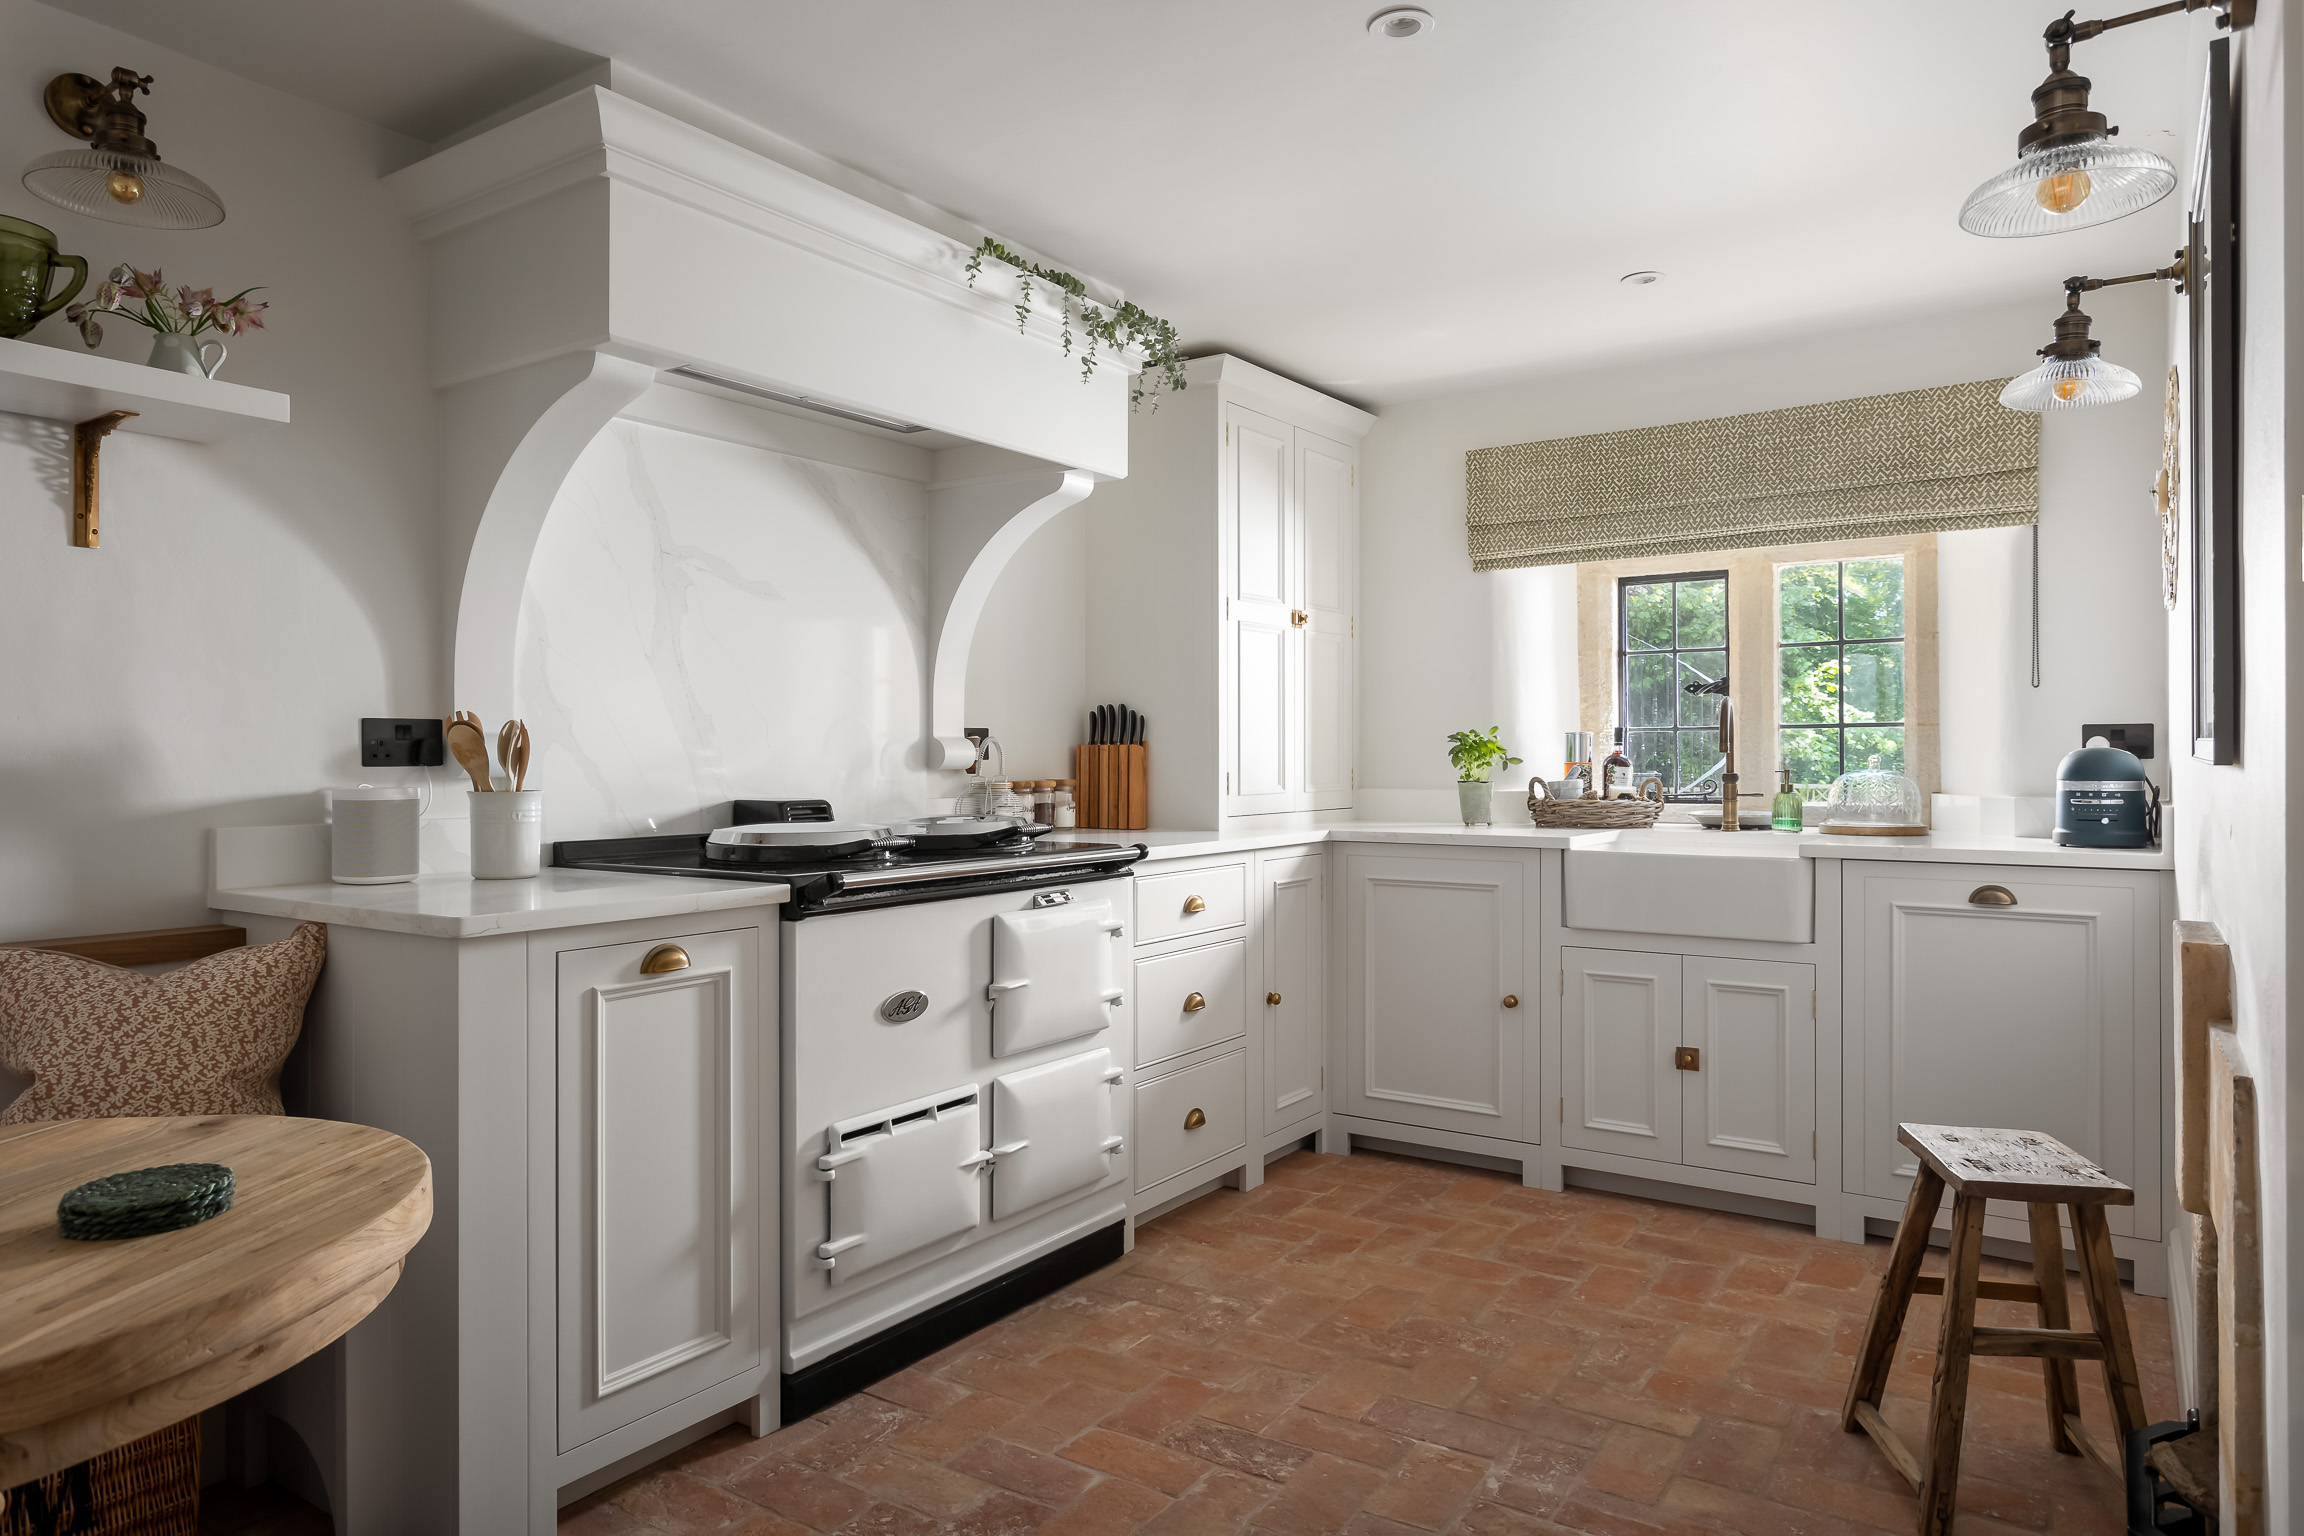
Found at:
<point>1387,1347</point>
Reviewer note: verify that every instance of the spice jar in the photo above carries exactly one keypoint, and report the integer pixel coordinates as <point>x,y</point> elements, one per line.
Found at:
<point>1062,812</point>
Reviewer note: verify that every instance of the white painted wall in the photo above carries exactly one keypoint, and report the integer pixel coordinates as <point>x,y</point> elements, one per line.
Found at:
<point>2237,857</point>
<point>1443,647</point>
<point>252,600</point>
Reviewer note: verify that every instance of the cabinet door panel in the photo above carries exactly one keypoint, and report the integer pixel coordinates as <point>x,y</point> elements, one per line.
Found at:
<point>1293,912</point>
<point>1750,1107</point>
<point>657,1279</point>
<point>1324,477</point>
<point>2038,1016</point>
<point>1263,556</point>
<point>1620,1019</point>
<point>1439,949</point>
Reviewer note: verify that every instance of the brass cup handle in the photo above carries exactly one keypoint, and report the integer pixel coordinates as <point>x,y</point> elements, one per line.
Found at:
<point>1193,1120</point>
<point>1991,896</point>
<point>1194,1002</point>
<point>1298,617</point>
<point>1271,999</point>
<point>663,960</point>
<point>1511,1000</point>
<point>1193,906</point>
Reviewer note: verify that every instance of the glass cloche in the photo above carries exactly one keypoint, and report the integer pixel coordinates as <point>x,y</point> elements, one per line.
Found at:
<point>1874,802</point>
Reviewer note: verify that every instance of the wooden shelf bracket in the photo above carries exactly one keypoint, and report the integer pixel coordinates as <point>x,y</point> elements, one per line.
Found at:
<point>87,442</point>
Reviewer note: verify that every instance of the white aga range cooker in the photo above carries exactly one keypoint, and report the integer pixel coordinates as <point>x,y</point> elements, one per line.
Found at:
<point>955,1042</point>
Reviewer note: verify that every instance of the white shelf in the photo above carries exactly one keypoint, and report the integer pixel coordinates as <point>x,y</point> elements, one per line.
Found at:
<point>63,385</point>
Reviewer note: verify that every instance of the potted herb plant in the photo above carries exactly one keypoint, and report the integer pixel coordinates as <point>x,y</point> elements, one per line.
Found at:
<point>1477,755</point>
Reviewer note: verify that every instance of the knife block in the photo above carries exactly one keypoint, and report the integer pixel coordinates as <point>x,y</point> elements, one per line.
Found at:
<point>1115,786</point>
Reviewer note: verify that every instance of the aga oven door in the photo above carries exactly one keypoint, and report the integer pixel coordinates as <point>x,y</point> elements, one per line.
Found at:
<point>901,1179</point>
<point>1054,974</point>
<point>1055,1125</point>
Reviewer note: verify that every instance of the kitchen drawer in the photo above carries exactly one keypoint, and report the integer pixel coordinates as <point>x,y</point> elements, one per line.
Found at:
<point>1166,1024</point>
<point>1165,903</point>
<point>1219,1090</point>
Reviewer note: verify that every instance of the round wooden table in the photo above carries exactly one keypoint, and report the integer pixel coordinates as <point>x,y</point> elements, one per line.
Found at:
<point>102,1343</point>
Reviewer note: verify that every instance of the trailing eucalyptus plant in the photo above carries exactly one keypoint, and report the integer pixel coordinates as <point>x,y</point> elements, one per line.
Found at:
<point>1125,326</point>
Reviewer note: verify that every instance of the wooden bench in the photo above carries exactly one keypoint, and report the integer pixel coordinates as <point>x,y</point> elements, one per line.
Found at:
<point>2041,1173</point>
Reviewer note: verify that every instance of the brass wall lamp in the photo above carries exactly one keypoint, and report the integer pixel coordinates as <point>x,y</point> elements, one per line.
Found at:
<point>2068,173</point>
<point>2074,375</point>
<point>119,177</point>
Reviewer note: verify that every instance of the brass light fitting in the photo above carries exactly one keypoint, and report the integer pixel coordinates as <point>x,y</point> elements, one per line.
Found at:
<point>2068,173</point>
<point>119,177</point>
<point>2073,375</point>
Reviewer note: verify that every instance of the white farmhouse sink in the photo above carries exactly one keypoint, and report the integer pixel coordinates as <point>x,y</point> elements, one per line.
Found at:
<point>1694,884</point>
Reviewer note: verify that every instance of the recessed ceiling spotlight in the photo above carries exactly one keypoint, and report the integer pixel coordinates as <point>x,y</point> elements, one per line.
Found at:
<point>1639,279</point>
<point>1400,22</point>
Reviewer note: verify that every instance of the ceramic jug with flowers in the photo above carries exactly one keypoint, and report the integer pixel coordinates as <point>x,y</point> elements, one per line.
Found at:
<point>177,317</point>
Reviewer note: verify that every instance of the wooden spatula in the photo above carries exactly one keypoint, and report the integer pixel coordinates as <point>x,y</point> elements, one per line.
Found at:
<point>470,749</point>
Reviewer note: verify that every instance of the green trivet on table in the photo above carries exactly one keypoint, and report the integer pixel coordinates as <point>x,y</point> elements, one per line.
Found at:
<point>144,1201</point>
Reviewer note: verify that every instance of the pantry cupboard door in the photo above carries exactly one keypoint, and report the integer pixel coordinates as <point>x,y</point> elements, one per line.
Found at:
<point>1748,1097</point>
<point>1619,1026</point>
<point>1327,480</point>
<point>658,1139</point>
<point>1263,559</point>
<point>1437,1008</point>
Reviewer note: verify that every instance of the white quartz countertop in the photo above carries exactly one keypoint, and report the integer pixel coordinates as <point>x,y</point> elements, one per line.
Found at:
<point>1936,848</point>
<point>459,907</point>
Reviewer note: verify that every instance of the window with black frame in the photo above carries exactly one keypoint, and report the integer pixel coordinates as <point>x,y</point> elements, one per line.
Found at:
<point>1840,697</point>
<point>1672,631</point>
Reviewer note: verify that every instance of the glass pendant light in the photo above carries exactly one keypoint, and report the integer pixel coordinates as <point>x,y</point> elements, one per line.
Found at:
<point>2069,174</point>
<point>119,177</point>
<point>2071,375</point>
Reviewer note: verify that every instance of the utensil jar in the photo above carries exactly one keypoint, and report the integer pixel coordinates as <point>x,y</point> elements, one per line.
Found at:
<point>507,833</point>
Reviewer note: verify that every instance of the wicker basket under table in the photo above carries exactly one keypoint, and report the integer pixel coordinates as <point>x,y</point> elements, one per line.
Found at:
<point>148,1487</point>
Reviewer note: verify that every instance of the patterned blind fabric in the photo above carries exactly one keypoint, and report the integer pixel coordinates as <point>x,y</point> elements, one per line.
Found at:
<point>1926,461</point>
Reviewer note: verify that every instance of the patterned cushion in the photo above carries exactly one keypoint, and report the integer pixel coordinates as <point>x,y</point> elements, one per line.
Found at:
<point>207,1039</point>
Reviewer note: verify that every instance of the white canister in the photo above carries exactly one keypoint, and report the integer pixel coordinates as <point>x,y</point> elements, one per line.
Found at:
<point>507,833</point>
<point>372,834</point>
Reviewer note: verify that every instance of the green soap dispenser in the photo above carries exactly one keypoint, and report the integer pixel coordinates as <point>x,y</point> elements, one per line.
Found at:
<point>1784,811</point>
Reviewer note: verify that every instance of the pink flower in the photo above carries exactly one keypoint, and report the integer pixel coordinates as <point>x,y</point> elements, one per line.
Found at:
<point>83,316</point>
<point>195,302</point>
<point>149,284</point>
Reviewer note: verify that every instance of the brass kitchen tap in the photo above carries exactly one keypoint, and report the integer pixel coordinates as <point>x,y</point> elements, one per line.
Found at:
<point>1727,750</point>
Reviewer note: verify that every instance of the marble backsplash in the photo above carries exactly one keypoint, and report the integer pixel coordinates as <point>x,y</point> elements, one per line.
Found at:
<point>706,619</point>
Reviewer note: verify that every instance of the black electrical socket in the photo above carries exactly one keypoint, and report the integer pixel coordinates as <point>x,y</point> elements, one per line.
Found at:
<point>2128,738</point>
<point>389,743</point>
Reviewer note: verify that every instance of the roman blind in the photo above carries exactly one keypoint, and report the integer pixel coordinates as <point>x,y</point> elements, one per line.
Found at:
<point>1926,460</point>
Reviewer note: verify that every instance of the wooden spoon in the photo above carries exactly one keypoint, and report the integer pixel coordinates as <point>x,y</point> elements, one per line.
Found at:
<point>505,740</point>
<point>470,750</point>
<point>520,758</point>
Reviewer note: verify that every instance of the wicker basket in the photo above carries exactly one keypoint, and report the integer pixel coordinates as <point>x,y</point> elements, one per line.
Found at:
<point>148,1487</point>
<point>1593,813</point>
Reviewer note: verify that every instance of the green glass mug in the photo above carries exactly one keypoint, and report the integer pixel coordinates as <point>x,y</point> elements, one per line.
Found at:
<point>28,259</point>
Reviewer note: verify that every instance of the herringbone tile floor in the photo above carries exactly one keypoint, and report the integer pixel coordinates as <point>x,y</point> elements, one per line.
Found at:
<point>1386,1346</point>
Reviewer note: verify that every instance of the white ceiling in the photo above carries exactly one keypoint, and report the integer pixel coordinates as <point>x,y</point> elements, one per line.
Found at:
<point>1384,219</point>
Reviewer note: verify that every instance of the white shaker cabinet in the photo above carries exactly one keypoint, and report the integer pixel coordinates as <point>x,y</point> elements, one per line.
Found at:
<point>1690,1060</point>
<point>658,1238</point>
<point>1437,1013</point>
<point>1293,1001</point>
<point>1224,586</point>
<point>2006,996</point>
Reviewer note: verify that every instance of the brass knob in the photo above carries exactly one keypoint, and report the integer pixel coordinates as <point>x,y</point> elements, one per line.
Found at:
<point>1511,1000</point>
<point>1194,1120</point>
<point>1299,617</point>
<point>1687,1058</point>
<point>1194,1002</point>
<point>1272,999</point>
<point>663,959</point>
<point>1991,896</point>
<point>1193,904</point>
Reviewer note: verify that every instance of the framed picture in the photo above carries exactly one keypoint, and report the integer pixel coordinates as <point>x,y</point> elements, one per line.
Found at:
<point>2212,470</point>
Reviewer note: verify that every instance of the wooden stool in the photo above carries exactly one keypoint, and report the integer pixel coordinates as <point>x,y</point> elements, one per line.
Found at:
<point>2042,1173</point>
